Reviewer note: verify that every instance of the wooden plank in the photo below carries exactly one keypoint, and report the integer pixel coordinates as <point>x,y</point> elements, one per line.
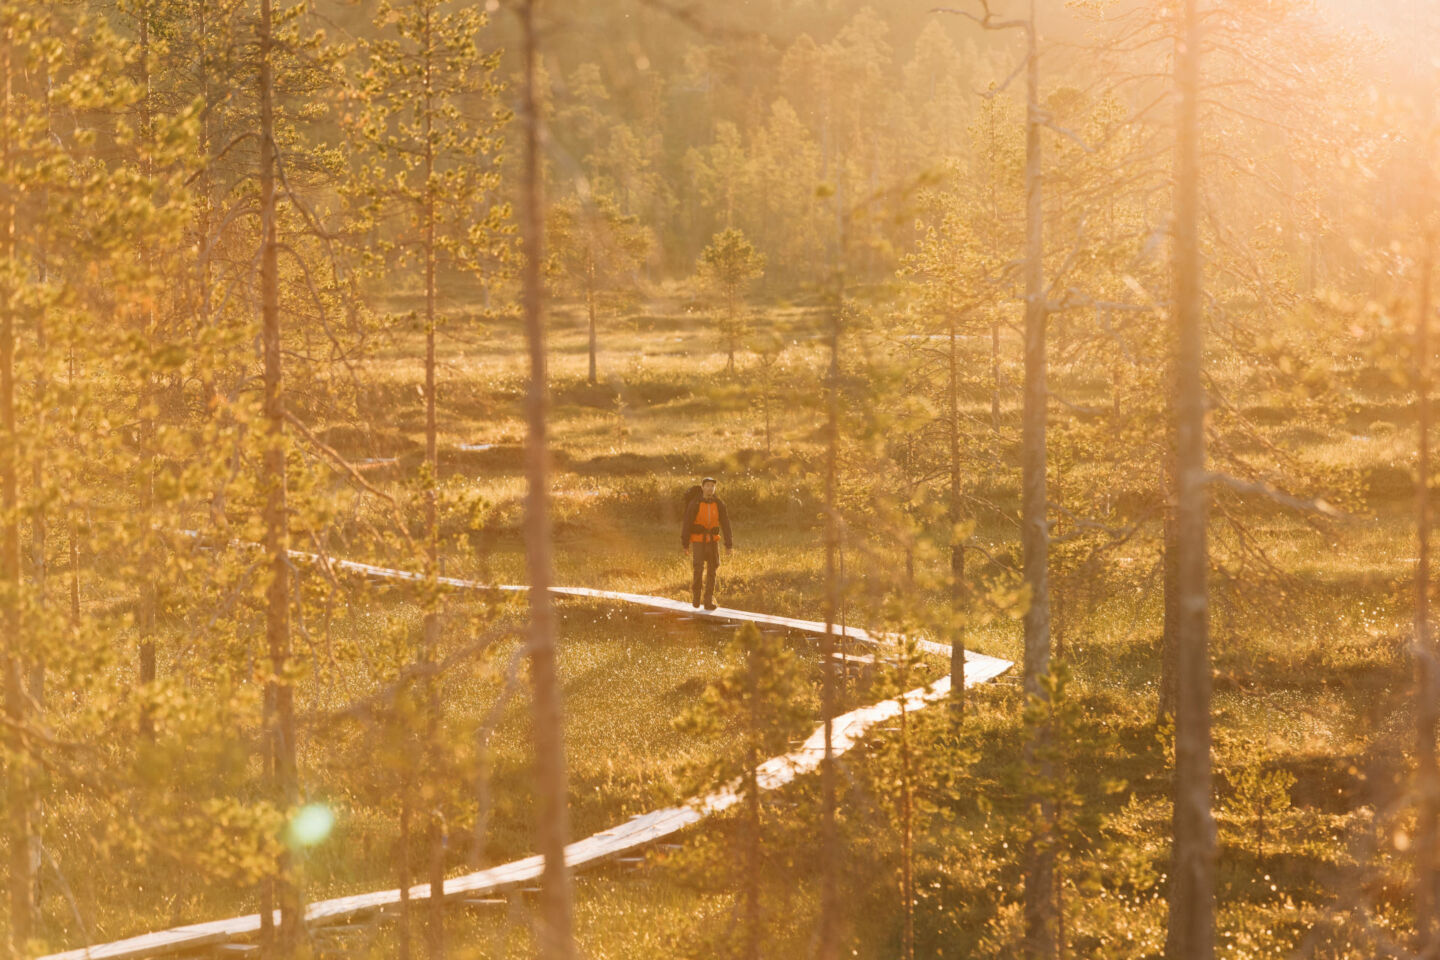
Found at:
<point>853,659</point>
<point>654,603</point>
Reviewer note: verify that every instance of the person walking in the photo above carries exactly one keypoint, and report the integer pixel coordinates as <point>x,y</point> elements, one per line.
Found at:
<point>705,523</point>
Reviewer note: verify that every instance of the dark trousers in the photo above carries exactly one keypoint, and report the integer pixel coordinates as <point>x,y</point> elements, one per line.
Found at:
<point>705,558</point>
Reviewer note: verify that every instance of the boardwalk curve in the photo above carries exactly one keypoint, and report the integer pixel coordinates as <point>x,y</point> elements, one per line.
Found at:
<point>635,833</point>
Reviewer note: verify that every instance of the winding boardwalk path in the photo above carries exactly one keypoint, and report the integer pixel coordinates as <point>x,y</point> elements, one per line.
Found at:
<point>635,833</point>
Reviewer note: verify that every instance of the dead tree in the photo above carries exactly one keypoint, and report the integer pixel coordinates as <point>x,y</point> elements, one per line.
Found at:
<point>1191,931</point>
<point>556,938</point>
<point>1040,920</point>
<point>1039,909</point>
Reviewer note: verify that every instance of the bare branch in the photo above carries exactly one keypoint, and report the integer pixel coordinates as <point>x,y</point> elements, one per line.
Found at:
<point>1317,505</point>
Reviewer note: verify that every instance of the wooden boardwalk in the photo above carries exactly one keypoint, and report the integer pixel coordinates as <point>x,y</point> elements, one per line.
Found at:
<point>720,614</point>
<point>635,833</point>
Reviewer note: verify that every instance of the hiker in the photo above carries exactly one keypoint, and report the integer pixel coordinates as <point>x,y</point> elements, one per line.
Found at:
<point>705,522</point>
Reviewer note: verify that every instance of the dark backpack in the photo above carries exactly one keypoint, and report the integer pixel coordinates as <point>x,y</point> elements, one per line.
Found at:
<point>691,496</point>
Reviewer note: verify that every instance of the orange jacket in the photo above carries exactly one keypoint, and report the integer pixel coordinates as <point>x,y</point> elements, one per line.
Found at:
<point>706,521</point>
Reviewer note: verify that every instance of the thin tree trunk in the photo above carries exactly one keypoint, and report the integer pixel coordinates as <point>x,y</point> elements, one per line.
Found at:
<point>731,311</point>
<point>39,530</point>
<point>1060,905</point>
<point>277,533</point>
<point>907,826</point>
<point>17,780</point>
<point>39,563</point>
<point>829,946</point>
<point>149,600</point>
<point>203,248</point>
<point>1040,933</point>
<point>957,547</point>
<point>752,810</point>
<point>765,402</point>
<point>1427,773</point>
<point>72,526</point>
<point>1059,590</point>
<point>995,377</point>
<point>556,939</point>
<point>435,925</point>
<point>1191,931</point>
<point>1170,580</point>
<point>406,921</point>
<point>590,310</point>
<point>994,253</point>
<point>435,929</point>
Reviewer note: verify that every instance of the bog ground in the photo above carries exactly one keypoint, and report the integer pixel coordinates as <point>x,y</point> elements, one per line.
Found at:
<point>1310,708</point>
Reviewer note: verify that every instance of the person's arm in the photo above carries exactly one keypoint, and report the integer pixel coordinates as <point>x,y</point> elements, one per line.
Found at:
<point>687,520</point>
<point>724,523</point>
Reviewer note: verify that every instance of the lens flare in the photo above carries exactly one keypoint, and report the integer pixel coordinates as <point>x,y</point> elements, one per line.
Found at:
<point>311,825</point>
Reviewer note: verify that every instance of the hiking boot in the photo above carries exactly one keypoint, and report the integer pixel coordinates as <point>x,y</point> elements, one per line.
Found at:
<point>695,604</point>
<point>709,606</point>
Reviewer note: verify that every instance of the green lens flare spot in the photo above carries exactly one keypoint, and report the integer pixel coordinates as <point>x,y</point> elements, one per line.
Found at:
<point>311,824</point>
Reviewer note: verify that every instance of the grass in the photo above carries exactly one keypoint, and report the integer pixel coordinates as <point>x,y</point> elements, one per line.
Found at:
<point>1311,680</point>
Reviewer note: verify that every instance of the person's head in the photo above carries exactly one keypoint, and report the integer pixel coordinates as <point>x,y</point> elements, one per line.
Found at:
<point>707,487</point>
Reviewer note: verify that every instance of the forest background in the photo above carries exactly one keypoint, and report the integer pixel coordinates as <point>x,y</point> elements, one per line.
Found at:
<point>265,290</point>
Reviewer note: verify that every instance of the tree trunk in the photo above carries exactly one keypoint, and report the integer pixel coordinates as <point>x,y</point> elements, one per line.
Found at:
<point>39,562</point>
<point>277,534</point>
<point>72,525</point>
<point>829,945</point>
<point>752,813</point>
<point>995,377</point>
<point>765,402</point>
<point>907,839</point>
<point>731,312</point>
<point>957,547</point>
<point>435,927</point>
<point>1170,584</point>
<point>995,220</point>
<point>590,310</point>
<point>556,940</point>
<point>1191,931</point>
<point>1039,907</point>
<point>40,530</point>
<point>1427,773</point>
<point>17,780</point>
<point>148,598</point>
<point>406,921</point>
<point>435,923</point>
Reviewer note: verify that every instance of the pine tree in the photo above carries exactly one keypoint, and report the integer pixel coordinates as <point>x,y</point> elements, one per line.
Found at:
<point>761,695</point>
<point>66,221</point>
<point>599,252</point>
<point>727,267</point>
<point>431,134</point>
